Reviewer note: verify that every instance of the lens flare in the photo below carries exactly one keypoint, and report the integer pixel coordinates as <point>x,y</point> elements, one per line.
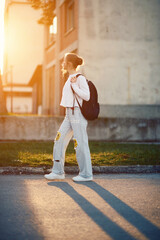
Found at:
<point>2,6</point>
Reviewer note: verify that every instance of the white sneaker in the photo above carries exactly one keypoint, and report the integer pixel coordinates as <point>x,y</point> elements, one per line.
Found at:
<point>53,176</point>
<point>82,179</point>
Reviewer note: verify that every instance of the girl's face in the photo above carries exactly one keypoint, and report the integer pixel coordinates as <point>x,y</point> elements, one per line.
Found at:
<point>67,66</point>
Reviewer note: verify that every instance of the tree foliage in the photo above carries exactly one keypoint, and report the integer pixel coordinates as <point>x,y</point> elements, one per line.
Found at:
<point>47,7</point>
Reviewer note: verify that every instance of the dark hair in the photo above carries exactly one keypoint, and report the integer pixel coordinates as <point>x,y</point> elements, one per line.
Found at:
<point>74,59</point>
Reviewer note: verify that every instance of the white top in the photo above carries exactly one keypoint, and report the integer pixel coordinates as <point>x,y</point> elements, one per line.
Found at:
<point>81,89</point>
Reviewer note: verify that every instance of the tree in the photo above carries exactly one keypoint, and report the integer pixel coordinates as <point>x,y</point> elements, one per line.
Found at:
<point>47,7</point>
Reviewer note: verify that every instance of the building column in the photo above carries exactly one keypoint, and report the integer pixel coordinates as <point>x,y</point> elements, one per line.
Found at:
<point>57,66</point>
<point>44,96</point>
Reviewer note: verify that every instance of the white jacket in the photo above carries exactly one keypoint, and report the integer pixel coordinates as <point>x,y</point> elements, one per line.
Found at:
<point>81,89</point>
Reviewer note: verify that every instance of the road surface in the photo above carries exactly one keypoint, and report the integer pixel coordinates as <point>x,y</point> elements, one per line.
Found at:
<point>118,206</point>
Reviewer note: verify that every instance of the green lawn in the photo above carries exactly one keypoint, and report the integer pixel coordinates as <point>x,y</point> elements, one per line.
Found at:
<point>38,154</point>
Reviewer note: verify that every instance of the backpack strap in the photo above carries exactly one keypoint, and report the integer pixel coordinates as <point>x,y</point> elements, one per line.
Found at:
<point>75,97</point>
<point>78,75</point>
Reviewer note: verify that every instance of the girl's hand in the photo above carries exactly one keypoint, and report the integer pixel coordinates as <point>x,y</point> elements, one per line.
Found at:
<point>73,79</point>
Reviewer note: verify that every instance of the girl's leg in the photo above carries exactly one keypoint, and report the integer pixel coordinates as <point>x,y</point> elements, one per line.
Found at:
<point>62,139</point>
<point>79,126</point>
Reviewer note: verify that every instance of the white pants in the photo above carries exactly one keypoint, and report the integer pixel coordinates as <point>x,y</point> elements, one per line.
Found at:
<point>73,125</point>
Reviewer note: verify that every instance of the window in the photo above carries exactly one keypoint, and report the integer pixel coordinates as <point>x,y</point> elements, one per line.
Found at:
<point>69,15</point>
<point>53,30</point>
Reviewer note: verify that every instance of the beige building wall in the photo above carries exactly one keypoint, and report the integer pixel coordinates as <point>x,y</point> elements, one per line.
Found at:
<point>24,40</point>
<point>20,104</point>
<point>120,42</point>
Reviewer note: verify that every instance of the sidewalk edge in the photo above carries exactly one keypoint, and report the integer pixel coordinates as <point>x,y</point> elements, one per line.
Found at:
<point>75,170</point>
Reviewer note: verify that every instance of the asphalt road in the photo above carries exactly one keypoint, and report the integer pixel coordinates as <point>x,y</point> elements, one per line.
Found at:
<point>119,206</point>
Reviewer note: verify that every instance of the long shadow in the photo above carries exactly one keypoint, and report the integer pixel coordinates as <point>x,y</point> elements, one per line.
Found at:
<point>95,214</point>
<point>17,220</point>
<point>142,224</point>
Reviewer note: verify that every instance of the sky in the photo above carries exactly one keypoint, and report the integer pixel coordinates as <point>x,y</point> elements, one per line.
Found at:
<point>2,4</point>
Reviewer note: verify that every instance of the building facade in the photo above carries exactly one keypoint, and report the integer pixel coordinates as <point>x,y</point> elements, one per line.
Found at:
<point>23,50</point>
<point>60,38</point>
<point>3,109</point>
<point>120,43</point>
<point>36,84</point>
<point>18,98</point>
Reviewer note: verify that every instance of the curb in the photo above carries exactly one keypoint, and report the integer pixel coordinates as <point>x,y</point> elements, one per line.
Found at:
<point>74,169</point>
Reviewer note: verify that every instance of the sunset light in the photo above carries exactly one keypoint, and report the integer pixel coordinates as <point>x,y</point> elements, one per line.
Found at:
<point>2,5</point>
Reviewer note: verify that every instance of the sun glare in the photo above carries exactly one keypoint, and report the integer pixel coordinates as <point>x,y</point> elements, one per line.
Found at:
<point>2,5</point>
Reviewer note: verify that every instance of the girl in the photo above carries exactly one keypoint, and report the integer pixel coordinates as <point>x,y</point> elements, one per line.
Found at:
<point>74,124</point>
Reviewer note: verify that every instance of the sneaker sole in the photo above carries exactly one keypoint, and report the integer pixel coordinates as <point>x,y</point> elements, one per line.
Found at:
<point>85,180</point>
<point>57,178</point>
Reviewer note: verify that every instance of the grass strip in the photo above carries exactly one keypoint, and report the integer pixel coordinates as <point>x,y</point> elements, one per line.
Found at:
<point>39,154</point>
